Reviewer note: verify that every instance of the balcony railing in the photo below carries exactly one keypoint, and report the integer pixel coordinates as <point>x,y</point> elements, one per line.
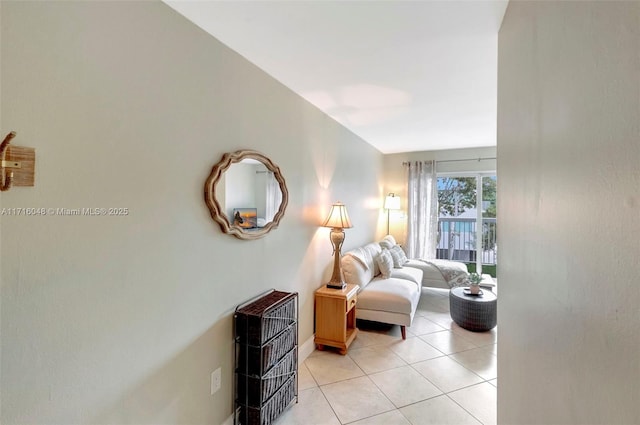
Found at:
<point>457,240</point>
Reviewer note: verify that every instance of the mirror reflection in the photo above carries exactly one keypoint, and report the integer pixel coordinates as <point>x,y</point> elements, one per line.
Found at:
<point>246,194</point>
<point>249,194</point>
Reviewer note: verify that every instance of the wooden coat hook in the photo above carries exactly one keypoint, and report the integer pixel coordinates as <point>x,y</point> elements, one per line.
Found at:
<point>17,166</point>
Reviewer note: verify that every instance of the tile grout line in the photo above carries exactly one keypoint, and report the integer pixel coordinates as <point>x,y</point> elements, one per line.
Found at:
<point>462,407</point>
<point>386,346</point>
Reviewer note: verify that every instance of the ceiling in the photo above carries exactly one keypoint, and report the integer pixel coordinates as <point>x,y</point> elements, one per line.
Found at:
<point>403,75</point>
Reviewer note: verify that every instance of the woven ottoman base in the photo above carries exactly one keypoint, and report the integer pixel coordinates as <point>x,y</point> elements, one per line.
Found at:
<point>472,312</point>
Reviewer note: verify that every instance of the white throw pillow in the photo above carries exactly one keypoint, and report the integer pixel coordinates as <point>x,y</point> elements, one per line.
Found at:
<point>397,260</point>
<point>385,262</point>
<point>388,242</point>
<point>400,252</point>
<point>399,257</point>
<point>354,272</point>
<point>362,255</point>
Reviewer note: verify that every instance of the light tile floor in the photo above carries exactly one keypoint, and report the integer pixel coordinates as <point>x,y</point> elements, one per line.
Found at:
<point>441,374</point>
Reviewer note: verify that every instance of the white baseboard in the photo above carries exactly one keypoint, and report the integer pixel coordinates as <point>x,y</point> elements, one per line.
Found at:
<point>304,350</point>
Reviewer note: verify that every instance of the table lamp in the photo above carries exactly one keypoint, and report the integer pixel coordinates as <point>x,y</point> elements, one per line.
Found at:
<point>338,219</point>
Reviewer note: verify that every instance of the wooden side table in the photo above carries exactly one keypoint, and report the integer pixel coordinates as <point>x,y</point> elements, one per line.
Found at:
<point>336,317</point>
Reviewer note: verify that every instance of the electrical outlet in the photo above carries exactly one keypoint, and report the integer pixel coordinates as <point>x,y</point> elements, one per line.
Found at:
<point>216,380</point>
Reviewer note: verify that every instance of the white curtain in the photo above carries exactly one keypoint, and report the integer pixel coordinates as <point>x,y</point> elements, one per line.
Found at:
<point>274,197</point>
<point>422,210</point>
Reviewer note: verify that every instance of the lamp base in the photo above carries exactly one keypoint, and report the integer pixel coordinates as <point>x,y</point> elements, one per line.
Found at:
<point>336,282</point>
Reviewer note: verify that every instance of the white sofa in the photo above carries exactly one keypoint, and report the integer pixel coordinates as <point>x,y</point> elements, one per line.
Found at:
<point>391,300</point>
<point>432,276</point>
<point>394,299</point>
<point>434,270</point>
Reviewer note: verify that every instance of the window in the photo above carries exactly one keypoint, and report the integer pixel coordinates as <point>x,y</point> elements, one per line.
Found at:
<point>462,204</point>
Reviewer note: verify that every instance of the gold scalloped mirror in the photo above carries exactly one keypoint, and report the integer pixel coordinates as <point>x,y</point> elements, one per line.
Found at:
<point>246,194</point>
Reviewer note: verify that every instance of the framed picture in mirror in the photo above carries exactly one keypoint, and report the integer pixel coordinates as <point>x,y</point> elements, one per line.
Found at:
<point>247,218</point>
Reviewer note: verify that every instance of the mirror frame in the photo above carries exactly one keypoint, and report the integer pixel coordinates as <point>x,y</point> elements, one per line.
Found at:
<point>217,212</point>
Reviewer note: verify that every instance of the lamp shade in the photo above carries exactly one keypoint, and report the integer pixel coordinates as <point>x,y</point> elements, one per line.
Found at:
<point>392,202</point>
<point>338,217</point>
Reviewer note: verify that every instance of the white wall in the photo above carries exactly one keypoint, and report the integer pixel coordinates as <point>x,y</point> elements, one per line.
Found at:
<point>395,176</point>
<point>568,205</point>
<point>122,319</point>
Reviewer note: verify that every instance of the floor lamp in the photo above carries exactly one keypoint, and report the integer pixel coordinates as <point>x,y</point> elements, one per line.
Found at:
<point>391,202</point>
<point>338,219</point>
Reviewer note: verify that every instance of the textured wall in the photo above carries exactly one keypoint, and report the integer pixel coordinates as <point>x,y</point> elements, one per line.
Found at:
<point>123,319</point>
<point>568,202</point>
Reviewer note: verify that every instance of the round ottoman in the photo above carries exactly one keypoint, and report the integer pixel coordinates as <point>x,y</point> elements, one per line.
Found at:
<point>473,312</point>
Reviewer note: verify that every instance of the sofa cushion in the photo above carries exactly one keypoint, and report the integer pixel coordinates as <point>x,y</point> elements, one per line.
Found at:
<point>354,272</point>
<point>430,271</point>
<point>385,262</point>
<point>392,295</point>
<point>402,253</point>
<point>373,249</point>
<point>362,255</point>
<point>387,242</point>
<point>408,273</point>
<point>397,260</point>
<point>358,265</point>
<point>399,257</point>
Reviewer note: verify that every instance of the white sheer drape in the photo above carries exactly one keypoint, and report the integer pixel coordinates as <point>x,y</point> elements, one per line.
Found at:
<point>274,197</point>
<point>422,209</point>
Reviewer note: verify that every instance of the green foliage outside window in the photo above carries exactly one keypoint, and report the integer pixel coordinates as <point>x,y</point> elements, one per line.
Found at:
<point>458,194</point>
